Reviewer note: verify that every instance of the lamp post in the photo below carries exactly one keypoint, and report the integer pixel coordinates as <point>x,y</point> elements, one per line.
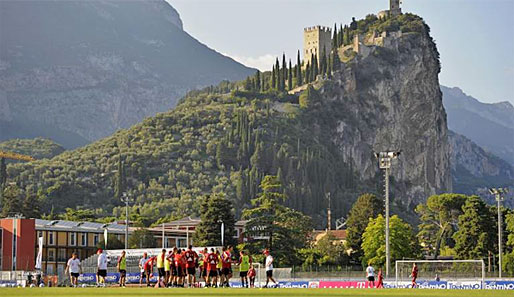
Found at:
<point>125,198</point>
<point>384,162</point>
<point>497,192</point>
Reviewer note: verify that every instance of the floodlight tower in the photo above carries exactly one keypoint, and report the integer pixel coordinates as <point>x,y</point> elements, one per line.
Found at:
<point>384,162</point>
<point>497,192</point>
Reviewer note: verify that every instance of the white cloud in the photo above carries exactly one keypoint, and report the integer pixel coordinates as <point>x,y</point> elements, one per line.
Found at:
<point>263,63</point>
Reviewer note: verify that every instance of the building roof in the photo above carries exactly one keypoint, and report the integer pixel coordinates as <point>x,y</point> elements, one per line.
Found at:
<point>191,222</point>
<point>336,234</point>
<point>62,225</point>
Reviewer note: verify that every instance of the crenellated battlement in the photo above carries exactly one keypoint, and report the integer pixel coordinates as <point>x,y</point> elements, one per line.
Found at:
<point>318,28</point>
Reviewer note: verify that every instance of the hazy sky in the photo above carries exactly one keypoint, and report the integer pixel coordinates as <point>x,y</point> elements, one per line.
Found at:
<point>475,37</point>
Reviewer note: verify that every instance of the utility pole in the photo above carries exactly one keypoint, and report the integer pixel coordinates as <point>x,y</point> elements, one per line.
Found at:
<point>384,162</point>
<point>329,213</point>
<point>125,198</point>
<point>497,192</point>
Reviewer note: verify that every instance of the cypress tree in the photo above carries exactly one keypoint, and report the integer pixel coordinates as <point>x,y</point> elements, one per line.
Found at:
<point>335,42</point>
<point>336,63</point>
<point>273,78</point>
<point>298,70</point>
<point>315,67</point>
<point>278,78</point>
<point>284,67</point>
<point>258,81</point>
<point>340,37</point>
<point>3,176</point>
<point>323,63</point>
<point>290,77</point>
<point>307,73</point>
<point>346,35</point>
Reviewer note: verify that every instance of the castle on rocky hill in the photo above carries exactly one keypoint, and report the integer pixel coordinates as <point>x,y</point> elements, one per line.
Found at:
<point>317,39</point>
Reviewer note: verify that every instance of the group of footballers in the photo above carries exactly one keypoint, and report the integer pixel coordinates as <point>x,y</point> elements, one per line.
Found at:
<point>177,267</point>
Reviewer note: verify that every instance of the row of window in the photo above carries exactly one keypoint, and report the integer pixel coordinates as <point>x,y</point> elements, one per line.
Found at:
<point>74,238</point>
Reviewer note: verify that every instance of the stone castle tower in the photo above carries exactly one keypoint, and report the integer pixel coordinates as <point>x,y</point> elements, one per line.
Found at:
<point>394,7</point>
<point>314,40</point>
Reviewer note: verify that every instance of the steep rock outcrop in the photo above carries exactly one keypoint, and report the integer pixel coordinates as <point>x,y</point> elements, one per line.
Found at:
<point>390,100</point>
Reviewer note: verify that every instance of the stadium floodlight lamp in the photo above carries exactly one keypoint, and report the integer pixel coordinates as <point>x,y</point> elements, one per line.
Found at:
<point>384,162</point>
<point>498,193</point>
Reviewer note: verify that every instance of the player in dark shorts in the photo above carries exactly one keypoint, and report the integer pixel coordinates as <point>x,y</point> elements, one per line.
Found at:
<point>191,258</point>
<point>212,263</point>
<point>414,274</point>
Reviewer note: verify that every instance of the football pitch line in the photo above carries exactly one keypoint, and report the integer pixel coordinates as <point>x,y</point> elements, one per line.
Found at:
<point>235,292</point>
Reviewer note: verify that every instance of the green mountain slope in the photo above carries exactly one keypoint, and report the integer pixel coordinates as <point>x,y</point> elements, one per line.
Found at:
<point>38,148</point>
<point>226,138</point>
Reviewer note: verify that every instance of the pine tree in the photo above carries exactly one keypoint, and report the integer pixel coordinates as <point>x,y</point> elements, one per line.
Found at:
<point>290,77</point>
<point>299,81</point>
<point>11,203</point>
<point>280,224</point>
<point>476,235</point>
<point>215,209</point>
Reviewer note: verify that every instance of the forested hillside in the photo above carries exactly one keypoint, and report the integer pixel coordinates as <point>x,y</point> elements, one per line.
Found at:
<point>37,148</point>
<point>227,138</point>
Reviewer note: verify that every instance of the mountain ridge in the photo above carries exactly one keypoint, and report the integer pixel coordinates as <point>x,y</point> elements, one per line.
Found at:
<point>101,66</point>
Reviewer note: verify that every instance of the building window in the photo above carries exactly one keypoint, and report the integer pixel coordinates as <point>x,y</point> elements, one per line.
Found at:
<point>39,234</point>
<point>51,238</point>
<point>83,239</point>
<point>182,242</point>
<point>96,239</point>
<point>51,255</point>
<point>237,233</point>
<point>61,256</point>
<point>73,239</point>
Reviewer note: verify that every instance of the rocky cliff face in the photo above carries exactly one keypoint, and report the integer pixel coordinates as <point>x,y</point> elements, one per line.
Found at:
<point>390,100</point>
<point>89,68</point>
<point>474,169</point>
<point>489,125</point>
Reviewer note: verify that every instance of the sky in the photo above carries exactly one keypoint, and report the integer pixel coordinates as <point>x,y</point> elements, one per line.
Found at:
<point>475,38</point>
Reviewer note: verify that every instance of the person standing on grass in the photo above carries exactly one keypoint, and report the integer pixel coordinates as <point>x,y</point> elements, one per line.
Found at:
<point>191,259</point>
<point>269,269</point>
<point>74,268</point>
<point>102,268</point>
<point>167,270</point>
<point>142,262</point>
<point>212,266</point>
<point>414,274</point>
<point>122,268</point>
<point>370,275</point>
<point>226,268</point>
<point>251,276</point>
<point>203,265</point>
<point>380,278</point>
<point>244,264</point>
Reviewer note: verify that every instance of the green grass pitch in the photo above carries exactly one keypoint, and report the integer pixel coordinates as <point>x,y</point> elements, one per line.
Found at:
<point>236,292</point>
